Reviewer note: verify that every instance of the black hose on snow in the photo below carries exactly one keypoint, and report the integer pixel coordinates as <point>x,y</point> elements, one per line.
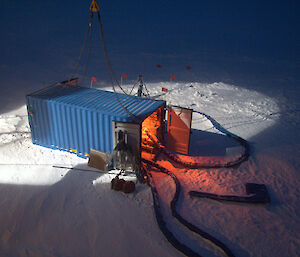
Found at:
<point>170,237</point>
<point>239,140</point>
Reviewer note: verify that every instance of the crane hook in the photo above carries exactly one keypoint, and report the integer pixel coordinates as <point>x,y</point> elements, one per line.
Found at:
<point>94,6</point>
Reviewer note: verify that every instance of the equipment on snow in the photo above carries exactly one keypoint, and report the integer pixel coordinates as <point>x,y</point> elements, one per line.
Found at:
<point>98,160</point>
<point>257,193</point>
<point>122,157</point>
<point>141,85</point>
<point>128,187</point>
<point>118,184</point>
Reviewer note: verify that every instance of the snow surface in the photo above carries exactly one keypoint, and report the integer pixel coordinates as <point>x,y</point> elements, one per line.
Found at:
<point>47,211</point>
<point>245,59</point>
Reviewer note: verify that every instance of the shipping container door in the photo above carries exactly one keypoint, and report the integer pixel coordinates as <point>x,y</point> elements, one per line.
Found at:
<point>179,129</point>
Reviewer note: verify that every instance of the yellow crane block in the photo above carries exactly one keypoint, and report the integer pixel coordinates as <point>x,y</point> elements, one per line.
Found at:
<point>94,6</point>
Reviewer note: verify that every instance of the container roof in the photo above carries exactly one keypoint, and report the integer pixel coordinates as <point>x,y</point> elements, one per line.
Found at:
<point>102,101</point>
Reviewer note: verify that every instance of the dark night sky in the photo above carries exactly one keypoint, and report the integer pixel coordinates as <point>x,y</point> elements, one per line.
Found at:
<point>230,41</point>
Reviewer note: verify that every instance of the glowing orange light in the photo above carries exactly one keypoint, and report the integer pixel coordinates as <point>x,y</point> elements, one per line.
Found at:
<point>152,130</point>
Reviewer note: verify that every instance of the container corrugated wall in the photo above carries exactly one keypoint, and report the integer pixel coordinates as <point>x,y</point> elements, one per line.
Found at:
<point>78,119</point>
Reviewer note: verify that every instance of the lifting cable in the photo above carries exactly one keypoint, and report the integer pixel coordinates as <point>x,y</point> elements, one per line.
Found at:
<point>110,70</point>
<point>89,49</point>
<point>95,8</point>
<point>111,74</point>
<point>88,32</point>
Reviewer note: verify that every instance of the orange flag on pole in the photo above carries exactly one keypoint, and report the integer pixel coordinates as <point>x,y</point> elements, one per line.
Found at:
<point>93,79</point>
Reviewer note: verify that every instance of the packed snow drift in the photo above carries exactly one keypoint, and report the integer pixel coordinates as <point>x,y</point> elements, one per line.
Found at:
<point>48,211</point>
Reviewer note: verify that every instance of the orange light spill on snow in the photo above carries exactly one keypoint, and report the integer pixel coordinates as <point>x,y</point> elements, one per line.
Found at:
<point>152,127</point>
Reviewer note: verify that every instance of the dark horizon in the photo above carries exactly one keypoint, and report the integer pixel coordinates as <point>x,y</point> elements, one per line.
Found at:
<point>235,42</point>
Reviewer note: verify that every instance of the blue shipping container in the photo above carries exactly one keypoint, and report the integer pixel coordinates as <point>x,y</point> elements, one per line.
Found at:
<point>76,119</point>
